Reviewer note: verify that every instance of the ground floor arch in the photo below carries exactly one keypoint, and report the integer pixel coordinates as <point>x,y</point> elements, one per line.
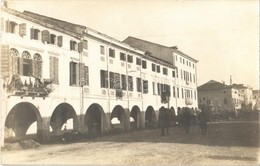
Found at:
<point>150,117</point>
<point>63,118</point>
<point>135,118</point>
<point>119,118</point>
<point>19,120</point>
<point>95,119</point>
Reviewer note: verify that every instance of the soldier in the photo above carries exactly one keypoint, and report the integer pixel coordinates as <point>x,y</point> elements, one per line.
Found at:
<point>203,119</point>
<point>164,121</point>
<point>186,119</point>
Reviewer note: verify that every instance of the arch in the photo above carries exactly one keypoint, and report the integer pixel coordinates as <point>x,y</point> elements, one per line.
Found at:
<point>64,118</point>
<point>26,55</point>
<point>150,118</point>
<point>37,57</point>
<point>119,113</point>
<point>136,115</point>
<point>21,117</point>
<point>95,118</point>
<point>14,52</point>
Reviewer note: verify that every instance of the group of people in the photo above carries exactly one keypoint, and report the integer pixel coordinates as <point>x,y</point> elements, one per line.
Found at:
<point>185,118</point>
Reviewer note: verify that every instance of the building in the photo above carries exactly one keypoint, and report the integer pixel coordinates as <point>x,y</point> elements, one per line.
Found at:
<point>256,100</point>
<point>246,93</point>
<point>58,76</point>
<point>217,96</point>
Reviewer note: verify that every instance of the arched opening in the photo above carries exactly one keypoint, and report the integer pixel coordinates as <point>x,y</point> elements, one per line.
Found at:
<point>135,118</point>
<point>95,119</point>
<point>150,118</point>
<point>23,116</point>
<point>63,119</point>
<point>119,118</point>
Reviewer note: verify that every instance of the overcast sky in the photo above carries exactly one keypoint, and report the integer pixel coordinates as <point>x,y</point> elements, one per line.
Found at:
<point>222,35</point>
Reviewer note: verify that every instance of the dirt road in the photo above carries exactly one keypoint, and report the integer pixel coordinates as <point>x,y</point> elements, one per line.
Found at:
<point>222,146</point>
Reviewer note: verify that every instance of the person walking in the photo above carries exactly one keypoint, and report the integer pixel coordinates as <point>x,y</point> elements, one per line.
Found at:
<point>186,119</point>
<point>203,121</point>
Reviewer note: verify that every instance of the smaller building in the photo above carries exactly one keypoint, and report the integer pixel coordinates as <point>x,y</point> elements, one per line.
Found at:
<point>216,96</point>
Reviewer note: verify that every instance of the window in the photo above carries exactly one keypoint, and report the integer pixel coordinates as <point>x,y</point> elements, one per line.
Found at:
<point>190,78</point>
<point>225,101</point>
<point>182,93</point>
<point>154,90</point>
<point>111,53</point>
<point>191,94</point>
<point>73,45</point>
<point>158,69</point>
<point>173,73</point>
<point>35,34</point>
<point>122,56</point>
<point>123,82</point>
<point>102,50</point>
<point>173,91</point>
<point>103,79</point>
<point>144,64</point>
<point>177,73</point>
<point>194,78</point>
<point>139,84</point>
<point>159,88</point>
<point>153,67</point>
<point>37,66</point>
<point>165,71</point>
<point>176,58</point>
<point>117,84</point>
<point>178,94</point>
<point>130,83</point>
<point>13,27</point>
<point>130,58</point>
<point>73,73</point>
<point>145,86</point>
<point>53,39</point>
<point>183,61</point>
<point>193,65</point>
<point>25,64</point>
<point>86,72</point>
<point>189,64</point>
<point>138,61</point>
<point>111,80</point>
<point>85,44</point>
<point>180,59</point>
<point>181,74</point>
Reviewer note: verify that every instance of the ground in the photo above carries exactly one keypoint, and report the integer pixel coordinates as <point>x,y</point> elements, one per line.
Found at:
<point>227,143</point>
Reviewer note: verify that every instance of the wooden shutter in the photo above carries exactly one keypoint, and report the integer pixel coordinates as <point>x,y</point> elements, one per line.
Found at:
<point>56,69</point>
<point>7,26</point>
<point>45,36</point>
<point>85,44</point>
<point>80,47</point>
<point>71,73</point>
<point>32,33</point>
<point>14,62</point>
<point>37,69</point>
<point>51,67</point>
<point>71,45</point>
<point>5,61</point>
<point>2,24</point>
<point>22,29</point>
<point>20,65</point>
<point>60,38</point>
<point>82,74</point>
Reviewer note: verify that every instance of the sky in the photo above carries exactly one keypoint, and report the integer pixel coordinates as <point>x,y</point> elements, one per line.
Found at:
<point>222,35</point>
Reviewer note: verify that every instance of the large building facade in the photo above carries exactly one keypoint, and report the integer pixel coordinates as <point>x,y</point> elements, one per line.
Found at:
<point>57,76</point>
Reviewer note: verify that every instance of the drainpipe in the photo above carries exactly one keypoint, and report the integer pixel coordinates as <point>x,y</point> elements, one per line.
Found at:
<point>108,77</point>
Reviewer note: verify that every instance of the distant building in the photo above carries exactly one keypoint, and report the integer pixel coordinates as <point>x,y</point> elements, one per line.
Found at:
<point>217,96</point>
<point>245,95</point>
<point>256,100</point>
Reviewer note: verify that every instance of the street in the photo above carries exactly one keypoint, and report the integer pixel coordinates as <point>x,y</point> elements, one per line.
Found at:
<point>226,144</point>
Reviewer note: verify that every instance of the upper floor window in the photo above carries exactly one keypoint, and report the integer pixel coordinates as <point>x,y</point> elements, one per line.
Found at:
<point>35,34</point>
<point>102,50</point>
<point>122,56</point>
<point>176,58</point>
<point>103,79</point>
<point>25,64</point>
<point>145,86</point>
<point>130,58</point>
<point>158,69</point>
<point>53,39</point>
<point>144,64</point>
<point>85,44</point>
<point>173,73</point>
<point>111,53</point>
<point>123,82</point>
<point>153,67</point>
<point>12,27</point>
<point>138,84</point>
<point>138,61</point>
<point>130,83</point>
<point>165,71</point>
<point>193,65</point>
<point>189,64</point>
<point>14,52</point>
<point>73,45</point>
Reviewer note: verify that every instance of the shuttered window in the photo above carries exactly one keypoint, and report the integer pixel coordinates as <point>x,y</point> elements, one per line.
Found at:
<point>111,53</point>
<point>73,73</point>
<point>60,38</point>
<point>73,45</point>
<point>22,29</point>
<point>54,69</point>
<point>144,64</point>
<point>45,36</point>
<point>111,80</point>
<point>139,85</point>
<point>130,58</point>
<point>122,56</point>
<point>165,71</point>
<point>145,86</point>
<point>5,64</point>
<point>85,44</point>
<point>138,61</point>
<point>123,82</point>
<point>80,47</point>
<point>158,69</point>
<point>37,66</point>
<point>153,67</point>
<point>53,39</point>
<point>130,83</point>
<point>103,79</point>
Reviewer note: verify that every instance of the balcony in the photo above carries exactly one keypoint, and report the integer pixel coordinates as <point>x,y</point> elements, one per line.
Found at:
<point>28,86</point>
<point>188,101</point>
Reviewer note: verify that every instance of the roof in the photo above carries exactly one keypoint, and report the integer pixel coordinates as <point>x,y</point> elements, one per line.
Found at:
<point>238,86</point>
<point>155,50</point>
<point>212,85</point>
<point>152,49</point>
